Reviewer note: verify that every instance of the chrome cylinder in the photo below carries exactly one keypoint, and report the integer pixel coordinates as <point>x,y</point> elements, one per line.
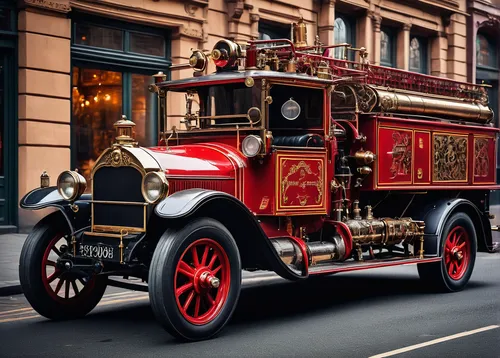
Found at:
<point>288,251</point>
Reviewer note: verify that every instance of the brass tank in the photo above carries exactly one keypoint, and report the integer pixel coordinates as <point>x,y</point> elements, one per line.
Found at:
<point>429,105</point>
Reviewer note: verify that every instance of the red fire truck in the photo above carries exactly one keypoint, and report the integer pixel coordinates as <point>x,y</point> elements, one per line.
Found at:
<point>287,159</point>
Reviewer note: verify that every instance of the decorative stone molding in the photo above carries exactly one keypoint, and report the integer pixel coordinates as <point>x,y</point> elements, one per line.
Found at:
<point>377,22</point>
<point>61,6</point>
<point>492,21</point>
<point>330,3</point>
<point>190,9</point>
<point>190,32</point>
<point>407,27</point>
<point>236,10</point>
<point>254,17</point>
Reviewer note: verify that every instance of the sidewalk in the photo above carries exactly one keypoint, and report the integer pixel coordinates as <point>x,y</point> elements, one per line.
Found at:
<point>10,249</point>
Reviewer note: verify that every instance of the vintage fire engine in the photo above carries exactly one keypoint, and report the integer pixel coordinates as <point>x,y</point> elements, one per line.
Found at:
<point>288,159</point>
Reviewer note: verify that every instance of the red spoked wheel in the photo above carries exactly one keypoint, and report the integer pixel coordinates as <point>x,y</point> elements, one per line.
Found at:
<point>65,287</point>
<point>202,281</point>
<point>51,289</point>
<point>458,248</point>
<point>457,252</point>
<point>195,279</point>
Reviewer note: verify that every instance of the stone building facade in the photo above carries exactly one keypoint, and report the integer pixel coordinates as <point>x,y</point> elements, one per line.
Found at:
<point>81,64</point>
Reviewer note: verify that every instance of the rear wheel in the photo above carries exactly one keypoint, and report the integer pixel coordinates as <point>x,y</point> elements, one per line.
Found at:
<point>195,279</point>
<point>458,249</point>
<point>51,290</point>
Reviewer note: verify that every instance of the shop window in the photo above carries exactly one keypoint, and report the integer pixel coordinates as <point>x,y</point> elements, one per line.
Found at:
<point>112,69</point>
<point>486,51</point>
<point>387,48</point>
<point>418,55</point>
<point>273,30</point>
<point>343,32</point>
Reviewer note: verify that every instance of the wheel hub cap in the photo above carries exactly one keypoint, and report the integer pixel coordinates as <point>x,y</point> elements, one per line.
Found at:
<point>457,252</point>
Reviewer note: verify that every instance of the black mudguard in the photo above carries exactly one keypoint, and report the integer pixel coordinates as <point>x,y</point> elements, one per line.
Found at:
<point>254,245</point>
<point>437,215</point>
<point>49,197</point>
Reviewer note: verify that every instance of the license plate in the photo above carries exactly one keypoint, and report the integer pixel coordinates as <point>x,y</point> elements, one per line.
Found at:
<point>97,251</point>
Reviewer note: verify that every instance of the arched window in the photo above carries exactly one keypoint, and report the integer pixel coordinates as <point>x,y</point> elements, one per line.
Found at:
<point>339,36</point>
<point>418,55</point>
<point>486,53</point>
<point>387,48</point>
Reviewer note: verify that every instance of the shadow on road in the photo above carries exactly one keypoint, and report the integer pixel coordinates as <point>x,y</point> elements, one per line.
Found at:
<point>269,303</point>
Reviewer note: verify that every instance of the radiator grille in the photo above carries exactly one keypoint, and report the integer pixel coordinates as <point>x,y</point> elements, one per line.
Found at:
<point>110,185</point>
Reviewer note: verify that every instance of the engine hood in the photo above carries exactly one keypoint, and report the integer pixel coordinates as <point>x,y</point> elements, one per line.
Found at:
<point>214,160</point>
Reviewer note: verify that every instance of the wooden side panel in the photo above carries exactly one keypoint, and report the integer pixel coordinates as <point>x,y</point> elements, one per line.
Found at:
<point>484,160</point>
<point>450,157</point>
<point>394,156</point>
<point>422,158</point>
<point>301,183</point>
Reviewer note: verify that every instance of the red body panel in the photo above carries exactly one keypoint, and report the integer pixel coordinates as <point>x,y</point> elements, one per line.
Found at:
<point>420,154</point>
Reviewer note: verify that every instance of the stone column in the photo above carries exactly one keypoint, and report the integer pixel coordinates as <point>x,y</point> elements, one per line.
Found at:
<point>365,36</point>
<point>44,98</point>
<point>403,48</point>
<point>327,22</point>
<point>377,21</point>
<point>457,31</point>
<point>439,49</point>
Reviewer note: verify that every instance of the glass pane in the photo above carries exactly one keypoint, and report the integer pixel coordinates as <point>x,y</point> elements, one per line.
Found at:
<point>385,49</point>
<point>99,37</point>
<point>415,55</point>
<point>143,114</point>
<point>339,36</point>
<point>147,44</point>
<point>5,23</point>
<point>97,105</point>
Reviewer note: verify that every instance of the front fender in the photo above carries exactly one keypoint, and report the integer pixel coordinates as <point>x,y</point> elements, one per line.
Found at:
<point>437,215</point>
<point>256,250</point>
<point>49,197</point>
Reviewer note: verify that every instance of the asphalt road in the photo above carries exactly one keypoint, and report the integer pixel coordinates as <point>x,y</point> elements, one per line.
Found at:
<point>359,314</point>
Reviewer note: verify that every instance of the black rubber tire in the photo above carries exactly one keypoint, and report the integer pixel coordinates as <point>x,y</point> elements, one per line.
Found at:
<point>168,252</point>
<point>30,275</point>
<point>435,275</point>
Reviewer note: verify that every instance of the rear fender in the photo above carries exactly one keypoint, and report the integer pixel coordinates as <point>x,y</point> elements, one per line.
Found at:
<point>256,250</point>
<point>41,198</point>
<point>435,219</point>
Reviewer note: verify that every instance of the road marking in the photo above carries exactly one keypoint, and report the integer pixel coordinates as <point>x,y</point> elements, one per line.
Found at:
<point>18,319</point>
<point>106,303</point>
<point>434,341</point>
<point>3,313</point>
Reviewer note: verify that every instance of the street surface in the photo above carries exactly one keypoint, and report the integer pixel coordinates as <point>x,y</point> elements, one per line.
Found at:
<point>357,314</point>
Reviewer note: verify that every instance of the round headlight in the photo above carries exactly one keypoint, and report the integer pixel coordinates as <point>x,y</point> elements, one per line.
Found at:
<point>71,185</point>
<point>251,145</point>
<point>154,187</point>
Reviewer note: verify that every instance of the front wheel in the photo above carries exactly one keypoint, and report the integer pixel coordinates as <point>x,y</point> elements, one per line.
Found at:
<point>52,291</point>
<point>458,249</point>
<point>195,279</point>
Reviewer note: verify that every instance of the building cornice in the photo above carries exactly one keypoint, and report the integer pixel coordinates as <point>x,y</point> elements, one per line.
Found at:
<point>60,6</point>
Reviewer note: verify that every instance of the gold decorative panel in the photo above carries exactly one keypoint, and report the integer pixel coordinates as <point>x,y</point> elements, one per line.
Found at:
<point>450,157</point>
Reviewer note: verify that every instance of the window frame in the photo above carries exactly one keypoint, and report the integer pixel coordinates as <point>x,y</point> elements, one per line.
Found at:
<point>391,33</point>
<point>424,59</point>
<point>128,63</point>
<point>274,29</point>
<point>492,50</point>
<point>350,25</point>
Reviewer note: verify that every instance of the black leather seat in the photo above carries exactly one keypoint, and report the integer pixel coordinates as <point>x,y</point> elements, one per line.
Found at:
<point>304,140</point>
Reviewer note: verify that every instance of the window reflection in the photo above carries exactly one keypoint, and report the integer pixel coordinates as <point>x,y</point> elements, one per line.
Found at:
<point>485,51</point>
<point>339,36</point>
<point>147,44</point>
<point>99,37</point>
<point>415,55</point>
<point>142,110</point>
<point>385,49</point>
<point>96,106</point>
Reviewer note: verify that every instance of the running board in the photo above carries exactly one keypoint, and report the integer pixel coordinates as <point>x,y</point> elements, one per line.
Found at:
<point>128,286</point>
<point>371,264</point>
